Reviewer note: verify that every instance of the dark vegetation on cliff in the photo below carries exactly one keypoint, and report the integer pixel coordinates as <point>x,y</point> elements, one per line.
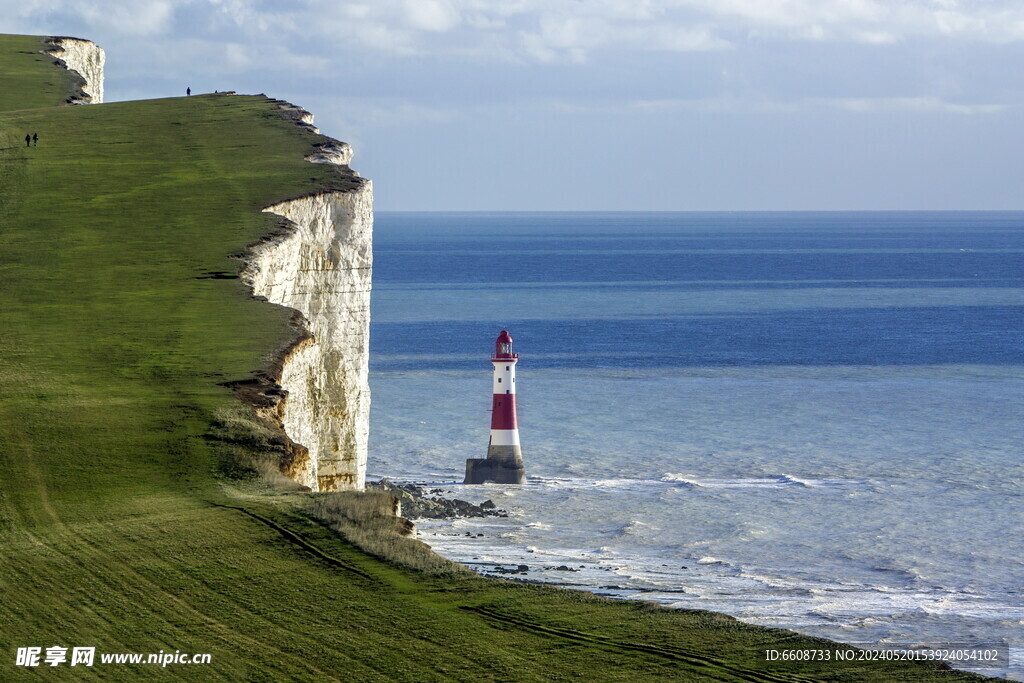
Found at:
<point>139,509</point>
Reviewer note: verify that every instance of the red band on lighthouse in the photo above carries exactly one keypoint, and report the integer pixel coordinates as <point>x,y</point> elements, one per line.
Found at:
<point>503,415</point>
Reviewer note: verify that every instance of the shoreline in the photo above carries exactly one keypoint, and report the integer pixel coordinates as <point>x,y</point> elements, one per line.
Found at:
<point>466,540</point>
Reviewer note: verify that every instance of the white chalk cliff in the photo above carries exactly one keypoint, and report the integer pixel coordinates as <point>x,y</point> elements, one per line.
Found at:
<point>320,265</point>
<point>85,58</point>
<point>322,268</point>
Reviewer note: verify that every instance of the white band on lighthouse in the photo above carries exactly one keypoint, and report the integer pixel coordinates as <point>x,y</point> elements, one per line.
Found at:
<point>504,380</point>
<point>504,437</point>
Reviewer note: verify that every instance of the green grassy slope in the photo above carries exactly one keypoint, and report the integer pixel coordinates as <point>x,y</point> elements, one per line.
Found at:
<point>114,528</point>
<point>27,77</point>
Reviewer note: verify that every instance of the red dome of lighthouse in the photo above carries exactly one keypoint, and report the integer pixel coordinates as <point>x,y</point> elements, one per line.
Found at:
<point>503,346</point>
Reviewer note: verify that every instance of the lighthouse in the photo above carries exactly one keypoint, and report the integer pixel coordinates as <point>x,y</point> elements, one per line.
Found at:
<point>504,461</point>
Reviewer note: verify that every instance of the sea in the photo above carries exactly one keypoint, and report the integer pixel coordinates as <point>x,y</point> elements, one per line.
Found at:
<point>805,420</point>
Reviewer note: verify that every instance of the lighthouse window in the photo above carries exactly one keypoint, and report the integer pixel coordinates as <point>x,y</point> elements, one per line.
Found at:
<point>499,380</point>
<point>508,391</point>
<point>507,367</point>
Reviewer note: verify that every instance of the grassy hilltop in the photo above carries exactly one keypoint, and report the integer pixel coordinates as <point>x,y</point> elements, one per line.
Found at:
<point>118,526</point>
<point>29,77</point>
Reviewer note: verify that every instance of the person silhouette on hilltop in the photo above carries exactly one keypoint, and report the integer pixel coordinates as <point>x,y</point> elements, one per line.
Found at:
<point>35,139</point>
<point>188,92</point>
<point>28,140</point>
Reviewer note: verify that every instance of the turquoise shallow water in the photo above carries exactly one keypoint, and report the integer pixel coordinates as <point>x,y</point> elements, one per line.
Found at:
<point>804,420</point>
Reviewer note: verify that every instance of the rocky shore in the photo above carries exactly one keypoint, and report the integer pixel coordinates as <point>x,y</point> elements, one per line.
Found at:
<point>419,502</point>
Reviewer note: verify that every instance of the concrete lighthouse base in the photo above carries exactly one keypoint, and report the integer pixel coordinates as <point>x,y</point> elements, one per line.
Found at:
<point>483,470</point>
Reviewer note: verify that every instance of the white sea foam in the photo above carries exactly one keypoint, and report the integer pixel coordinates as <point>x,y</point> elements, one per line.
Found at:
<point>771,482</point>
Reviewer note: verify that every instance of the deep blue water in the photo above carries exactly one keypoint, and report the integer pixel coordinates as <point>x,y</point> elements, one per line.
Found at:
<point>810,420</point>
<point>516,261</point>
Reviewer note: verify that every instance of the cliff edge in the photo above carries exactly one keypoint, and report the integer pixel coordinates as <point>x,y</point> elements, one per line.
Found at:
<point>86,59</point>
<point>321,266</point>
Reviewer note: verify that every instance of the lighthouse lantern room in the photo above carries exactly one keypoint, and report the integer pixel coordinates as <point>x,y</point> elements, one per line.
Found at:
<point>504,461</point>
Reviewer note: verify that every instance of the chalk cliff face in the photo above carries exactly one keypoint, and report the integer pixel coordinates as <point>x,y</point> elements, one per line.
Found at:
<point>86,58</point>
<point>322,268</point>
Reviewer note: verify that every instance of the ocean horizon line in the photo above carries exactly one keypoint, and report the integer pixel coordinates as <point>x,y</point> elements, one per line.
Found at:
<point>696,211</point>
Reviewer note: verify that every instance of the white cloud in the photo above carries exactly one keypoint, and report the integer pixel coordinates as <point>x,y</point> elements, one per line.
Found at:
<point>525,30</point>
<point>258,41</point>
<point>749,105</point>
<point>542,30</point>
<point>575,37</point>
<point>870,21</point>
<point>918,104</point>
<point>573,30</point>
<point>431,15</point>
<point>148,18</point>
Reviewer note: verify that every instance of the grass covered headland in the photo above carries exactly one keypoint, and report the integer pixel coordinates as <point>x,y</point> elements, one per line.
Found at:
<point>30,79</point>
<point>130,515</point>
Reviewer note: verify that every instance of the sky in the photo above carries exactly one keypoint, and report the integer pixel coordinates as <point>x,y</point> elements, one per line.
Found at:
<point>725,105</point>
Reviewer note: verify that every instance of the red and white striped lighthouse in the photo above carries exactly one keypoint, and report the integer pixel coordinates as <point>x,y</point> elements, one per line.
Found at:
<point>504,461</point>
